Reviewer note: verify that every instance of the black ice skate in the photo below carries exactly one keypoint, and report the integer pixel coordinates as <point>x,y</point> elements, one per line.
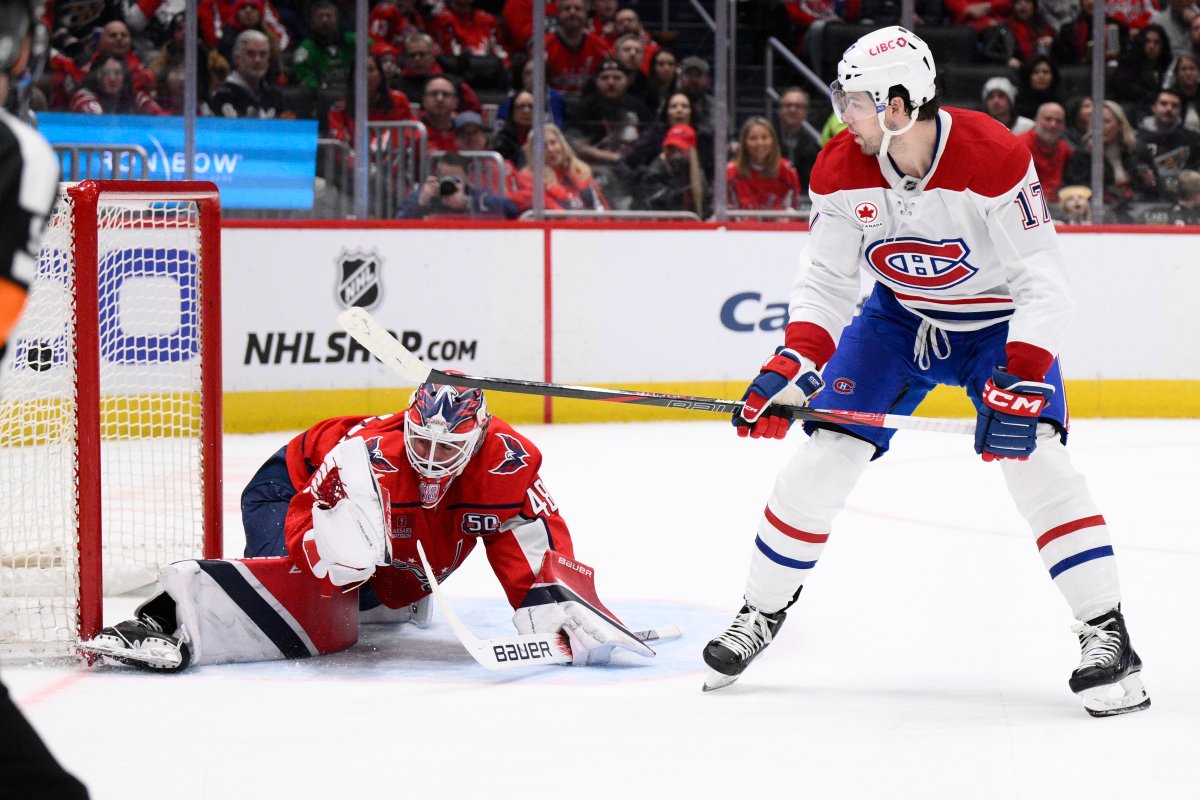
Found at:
<point>1107,661</point>
<point>730,653</point>
<point>140,643</point>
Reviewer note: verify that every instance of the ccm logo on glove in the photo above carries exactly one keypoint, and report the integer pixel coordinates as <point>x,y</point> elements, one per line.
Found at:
<point>1021,405</point>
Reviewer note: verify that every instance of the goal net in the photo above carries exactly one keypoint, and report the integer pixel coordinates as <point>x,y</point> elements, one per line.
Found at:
<point>110,402</point>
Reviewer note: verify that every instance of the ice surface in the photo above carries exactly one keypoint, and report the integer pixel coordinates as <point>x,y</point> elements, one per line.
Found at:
<point>928,657</point>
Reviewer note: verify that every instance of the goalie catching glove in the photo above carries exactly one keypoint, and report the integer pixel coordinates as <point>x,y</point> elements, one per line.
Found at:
<point>349,536</point>
<point>787,378</point>
<point>563,599</point>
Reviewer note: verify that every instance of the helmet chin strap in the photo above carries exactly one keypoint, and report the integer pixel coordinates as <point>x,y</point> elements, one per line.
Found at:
<point>888,133</point>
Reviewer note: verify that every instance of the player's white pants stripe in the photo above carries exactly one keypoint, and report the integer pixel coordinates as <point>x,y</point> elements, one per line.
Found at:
<point>1072,536</point>
<point>802,547</point>
<point>1061,550</point>
<point>809,492</point>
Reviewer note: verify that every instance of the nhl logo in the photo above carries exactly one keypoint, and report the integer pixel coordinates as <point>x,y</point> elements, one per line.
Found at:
<point>359,282</point>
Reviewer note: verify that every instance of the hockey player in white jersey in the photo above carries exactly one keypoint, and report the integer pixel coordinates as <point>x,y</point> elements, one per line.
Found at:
<point>943,208</point>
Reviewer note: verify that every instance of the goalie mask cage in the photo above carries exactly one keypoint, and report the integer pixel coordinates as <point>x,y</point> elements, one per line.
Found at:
<point>110,408</point>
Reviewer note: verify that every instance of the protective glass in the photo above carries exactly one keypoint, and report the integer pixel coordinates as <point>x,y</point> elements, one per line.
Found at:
<point>851,107</point>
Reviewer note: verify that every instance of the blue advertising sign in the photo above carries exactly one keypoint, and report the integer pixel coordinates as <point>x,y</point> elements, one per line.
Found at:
<point>255,163</point>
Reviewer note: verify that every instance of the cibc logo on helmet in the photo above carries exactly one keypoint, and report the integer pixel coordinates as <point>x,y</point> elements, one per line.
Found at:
<point>890,44</point>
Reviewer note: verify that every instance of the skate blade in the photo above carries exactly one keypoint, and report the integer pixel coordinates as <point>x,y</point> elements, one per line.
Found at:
<point>717,680</point>
<point>1099,701</point>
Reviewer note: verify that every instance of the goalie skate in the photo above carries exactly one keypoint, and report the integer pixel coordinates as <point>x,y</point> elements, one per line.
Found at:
<point>140,643</point>
<point>1108,663</point>
<point>728,655</point>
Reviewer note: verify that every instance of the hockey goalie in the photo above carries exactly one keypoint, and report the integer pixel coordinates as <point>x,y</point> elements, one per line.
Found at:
<point>332,522</point>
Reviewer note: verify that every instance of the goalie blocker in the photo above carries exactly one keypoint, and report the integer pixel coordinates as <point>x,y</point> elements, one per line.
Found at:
<point>563,599</point>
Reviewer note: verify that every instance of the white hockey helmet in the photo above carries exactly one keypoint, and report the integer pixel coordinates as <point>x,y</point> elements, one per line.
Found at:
<point>891,56</point>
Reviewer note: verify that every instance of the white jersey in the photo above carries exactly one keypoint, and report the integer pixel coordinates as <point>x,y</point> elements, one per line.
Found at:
<point>969,245</point>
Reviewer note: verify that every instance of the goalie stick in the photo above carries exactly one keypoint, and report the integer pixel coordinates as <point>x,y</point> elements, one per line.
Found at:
<point>519,650</point>
<point>368,332</point>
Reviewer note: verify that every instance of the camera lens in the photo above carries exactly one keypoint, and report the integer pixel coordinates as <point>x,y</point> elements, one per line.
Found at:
<point>448,186</point>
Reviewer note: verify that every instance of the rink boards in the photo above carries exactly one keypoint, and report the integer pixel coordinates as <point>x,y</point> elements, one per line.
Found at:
<point>671,308</point>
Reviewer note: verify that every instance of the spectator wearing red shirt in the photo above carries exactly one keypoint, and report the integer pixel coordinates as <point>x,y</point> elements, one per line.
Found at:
<point>249,17</point>
<point>462,28</point>
<point>979,14</point>
<point>809,18</point>
<point>1074,42</point>
<point>394,22</point>
<point>420,66</point>
<point>439,104</point>
<point>573,53</point>
<point>1032,35</point>
<point>626,22</point>
<point>569,183</point>
<point>759,177</point>
<point>108,89</point>
<point>1049,149</point>
<point>1134,13</point>
<point>215,15</point>
<point>384,104</point>
<point>116,40</point>
<point>604,14</point>
<point>517,16</point>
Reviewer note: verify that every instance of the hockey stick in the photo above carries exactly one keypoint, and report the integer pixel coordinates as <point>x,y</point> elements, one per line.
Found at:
<point>368,332</point>
<point>520,650</point>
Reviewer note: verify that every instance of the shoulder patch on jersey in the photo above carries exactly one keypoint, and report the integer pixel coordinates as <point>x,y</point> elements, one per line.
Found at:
<point>515,458</point>
<point>378,462</point>
<point>980,156</point>
<point>841,166</point>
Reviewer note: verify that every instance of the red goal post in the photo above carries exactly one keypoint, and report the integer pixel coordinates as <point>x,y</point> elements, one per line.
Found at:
<point>110,408</point>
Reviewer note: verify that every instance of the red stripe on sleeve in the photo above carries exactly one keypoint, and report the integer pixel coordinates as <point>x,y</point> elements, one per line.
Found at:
<point>1028,362</point>
<point>811,341</point>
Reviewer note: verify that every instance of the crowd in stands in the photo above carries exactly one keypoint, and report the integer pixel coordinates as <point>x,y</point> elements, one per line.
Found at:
<point>630,114</point>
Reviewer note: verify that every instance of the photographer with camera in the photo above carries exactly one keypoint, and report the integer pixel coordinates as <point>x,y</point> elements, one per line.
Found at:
<point>447,193</point>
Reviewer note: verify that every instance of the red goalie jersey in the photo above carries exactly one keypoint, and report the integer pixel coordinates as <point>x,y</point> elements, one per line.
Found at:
<point>499,499</point>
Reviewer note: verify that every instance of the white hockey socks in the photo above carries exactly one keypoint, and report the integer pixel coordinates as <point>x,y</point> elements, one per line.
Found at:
<point>1072,537</point>
<point>809,492</point>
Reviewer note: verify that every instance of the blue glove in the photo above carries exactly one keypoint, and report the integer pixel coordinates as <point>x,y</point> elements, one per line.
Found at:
<point>787,378</point>
<point>1007,425</point>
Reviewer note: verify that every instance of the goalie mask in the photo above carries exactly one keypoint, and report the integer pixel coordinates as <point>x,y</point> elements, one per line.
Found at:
<point>444,427</point>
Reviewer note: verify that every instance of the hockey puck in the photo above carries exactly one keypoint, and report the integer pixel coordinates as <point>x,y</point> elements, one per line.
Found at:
<point>40,357</point>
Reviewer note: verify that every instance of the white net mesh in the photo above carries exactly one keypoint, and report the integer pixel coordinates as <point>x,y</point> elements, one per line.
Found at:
<point>151,455</point>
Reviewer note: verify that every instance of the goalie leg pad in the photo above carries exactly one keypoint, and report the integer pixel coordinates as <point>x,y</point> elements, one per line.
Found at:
<point>256,610</point>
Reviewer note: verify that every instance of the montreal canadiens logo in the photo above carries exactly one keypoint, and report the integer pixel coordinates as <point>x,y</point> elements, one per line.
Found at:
<point>843,386</point>
<point>866,213</point>
<point>921,263</point>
